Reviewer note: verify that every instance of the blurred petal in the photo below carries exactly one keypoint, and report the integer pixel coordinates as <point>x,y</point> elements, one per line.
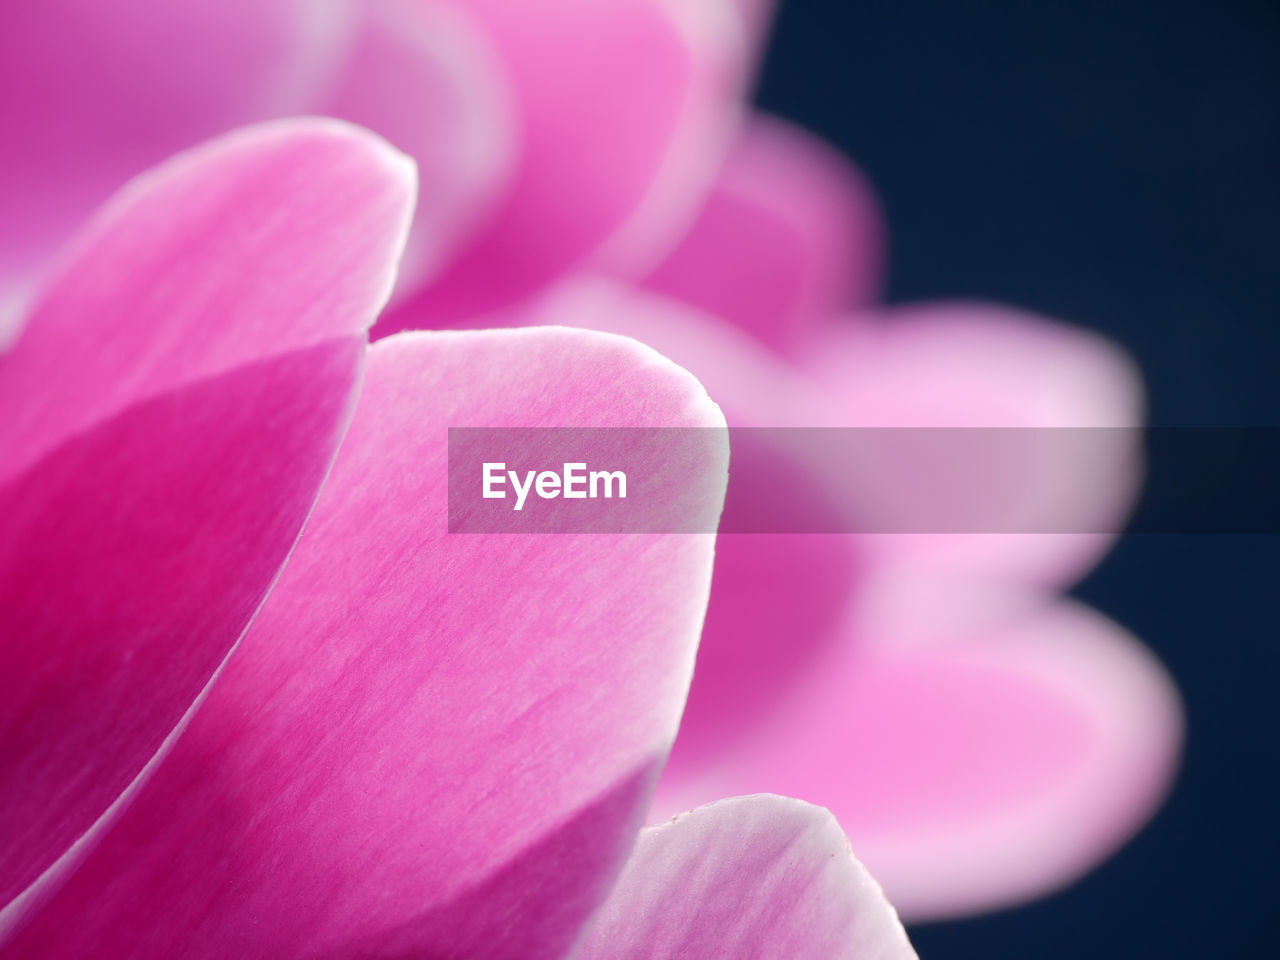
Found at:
<point>758,876</point>
<point>157,468</point>
<point>605,90</point>
<point>264,241</point>
<point>1076,397</point>
<point>422,76</point>
<point>429,744</point>
<point>789,236</point>
<point>93,93</point>
<point>977,772</point>
<point>722,62</point>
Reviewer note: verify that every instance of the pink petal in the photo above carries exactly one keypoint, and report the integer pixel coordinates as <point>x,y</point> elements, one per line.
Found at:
<point>982,770</point>
<point>139,391</point>
<point>789,236</point>
<point>752,877</point>
<point>608,93</point>
<point>133,557</point>
<point>94,93</point>
<point>265,241</point>
<point>422,75</point>
<point>777,599</point>
<point>429,744</point>
<point>1072,466</point>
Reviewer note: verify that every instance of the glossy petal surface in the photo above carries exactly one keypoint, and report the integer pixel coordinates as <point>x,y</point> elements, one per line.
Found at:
<point>995,765</point>
<point>748,879</point>
<point>429,744</point>
<point>176,403</point>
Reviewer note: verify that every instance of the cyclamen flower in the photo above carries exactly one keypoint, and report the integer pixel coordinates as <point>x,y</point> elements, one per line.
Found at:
<point>422,744</point>
<point>982,741</point>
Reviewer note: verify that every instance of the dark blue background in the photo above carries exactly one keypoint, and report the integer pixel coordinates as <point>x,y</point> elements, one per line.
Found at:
<point>1118,165</point>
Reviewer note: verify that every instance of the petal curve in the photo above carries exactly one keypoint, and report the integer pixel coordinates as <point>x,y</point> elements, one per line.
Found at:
<point>978,771</point>
<point>748,878</point>
<point>168,369</point>
<point>400,750</point>
<point>604,89</point>
<point>789,236</point>
<point>179,277</point>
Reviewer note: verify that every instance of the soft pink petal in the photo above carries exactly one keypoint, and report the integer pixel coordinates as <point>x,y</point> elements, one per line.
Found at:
<point>789,236</point>
<point>723,58</point>
<point>93,93</point>
<point>422,75</point>
<point>265,241</point>
<point>430,744</point>
<point>748,879</point>
<point>1071,466</point>
<point>985,769</point>
<point>179,372</point>
<point>605,91</point>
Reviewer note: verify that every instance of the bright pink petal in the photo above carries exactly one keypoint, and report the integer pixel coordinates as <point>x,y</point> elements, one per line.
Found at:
<point>789,236</point>
<point>749,878</point>
<point>421,75</point>
<point>430,743</point>
<point>131,561</point>
<point>985,769</point>
<point>268,240</point>
<point>93,93</point>
<point>608,93</point>
<point>177,398</point>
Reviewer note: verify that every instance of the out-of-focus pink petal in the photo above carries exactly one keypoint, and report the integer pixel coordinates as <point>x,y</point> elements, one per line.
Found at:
<point>608,93</point>
<point>265,241</point>
<point>752,877</point>
<point>1075,397</point>
<point>974,772</point>
<point>429,743</point>
<point>131,560</point>
<point>422,75</point>
<point>93,93</point>
<point>789,236</point>
<point>722,62</point>
<point>174,404</point>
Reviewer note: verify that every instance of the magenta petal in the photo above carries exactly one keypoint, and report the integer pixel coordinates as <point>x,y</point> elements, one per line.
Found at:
<point>789,236</point>
<point>131,561</point>
<point>604,90</point>
<point>423,76</point>
<point>176,400</point>
<point>267,240</point>
<point>93,93</point>
<point>983,769</point>
<point>429,744</point>
<point>753,877</point>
